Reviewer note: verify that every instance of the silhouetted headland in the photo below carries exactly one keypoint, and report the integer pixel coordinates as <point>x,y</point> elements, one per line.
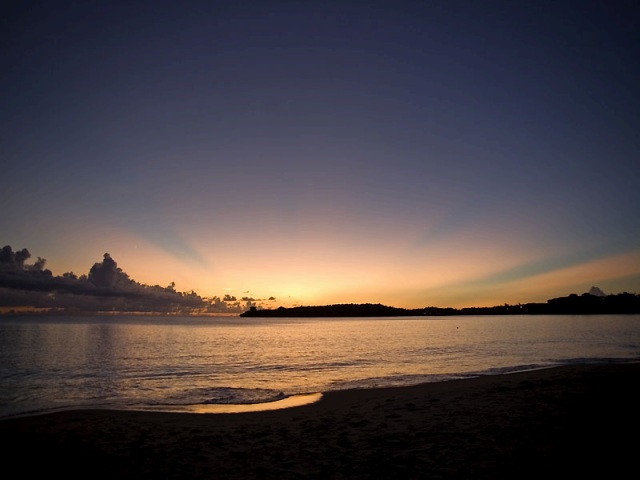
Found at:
<point>585,304</point>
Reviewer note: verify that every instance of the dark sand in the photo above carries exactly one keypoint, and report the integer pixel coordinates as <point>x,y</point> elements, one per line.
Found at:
<point>566,422</point>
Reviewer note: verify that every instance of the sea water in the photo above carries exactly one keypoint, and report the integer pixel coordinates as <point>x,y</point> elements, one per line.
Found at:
<point>191,363</point>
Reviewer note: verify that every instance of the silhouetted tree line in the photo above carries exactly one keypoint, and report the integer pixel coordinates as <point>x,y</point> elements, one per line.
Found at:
<point>585,304</point>
<point>590,304</point>
<point>343,310</point>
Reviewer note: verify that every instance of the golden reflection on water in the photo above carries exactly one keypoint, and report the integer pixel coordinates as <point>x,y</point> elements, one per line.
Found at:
<point>293,401</point>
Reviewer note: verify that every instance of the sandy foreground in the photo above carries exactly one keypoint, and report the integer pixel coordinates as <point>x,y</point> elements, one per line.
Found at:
<point>554,423</point>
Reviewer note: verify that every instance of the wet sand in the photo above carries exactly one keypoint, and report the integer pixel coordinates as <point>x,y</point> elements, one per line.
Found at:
<point>552,423</point>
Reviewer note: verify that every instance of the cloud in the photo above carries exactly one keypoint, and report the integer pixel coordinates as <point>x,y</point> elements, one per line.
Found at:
<point>217,305</point>
<point>106,288</point>
<point>108,275</point>
<point>13,260</point>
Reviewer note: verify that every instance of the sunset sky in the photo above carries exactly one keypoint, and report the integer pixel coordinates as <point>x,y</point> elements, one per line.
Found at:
<point>441,153</point>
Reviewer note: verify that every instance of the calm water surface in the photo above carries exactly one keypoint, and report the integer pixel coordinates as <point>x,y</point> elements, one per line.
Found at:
<point>49,363</point>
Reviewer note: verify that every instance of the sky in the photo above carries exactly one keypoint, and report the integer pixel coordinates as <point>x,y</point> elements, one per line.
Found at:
<point>409,153</point>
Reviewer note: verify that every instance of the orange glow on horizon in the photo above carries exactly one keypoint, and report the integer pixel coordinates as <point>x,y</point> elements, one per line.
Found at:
<point>347,268</point>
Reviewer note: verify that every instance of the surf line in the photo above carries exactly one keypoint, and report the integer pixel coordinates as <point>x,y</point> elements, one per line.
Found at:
<point>288,402</point>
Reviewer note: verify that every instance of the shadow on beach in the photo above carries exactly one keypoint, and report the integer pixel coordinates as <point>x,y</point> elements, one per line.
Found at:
<point>566,421</point>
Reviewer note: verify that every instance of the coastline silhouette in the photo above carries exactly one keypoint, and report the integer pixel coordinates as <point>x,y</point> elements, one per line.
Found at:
<point>33,289</point>
<point>585,304</point>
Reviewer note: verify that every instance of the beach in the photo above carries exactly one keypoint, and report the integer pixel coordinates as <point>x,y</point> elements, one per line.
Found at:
<point>549,423</point>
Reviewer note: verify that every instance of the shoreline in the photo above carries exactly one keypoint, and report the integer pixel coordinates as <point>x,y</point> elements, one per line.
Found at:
<point>567,420</point>
<point>288,401</point>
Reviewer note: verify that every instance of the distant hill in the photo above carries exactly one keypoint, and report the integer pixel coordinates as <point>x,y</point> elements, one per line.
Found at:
<point>585,304</point>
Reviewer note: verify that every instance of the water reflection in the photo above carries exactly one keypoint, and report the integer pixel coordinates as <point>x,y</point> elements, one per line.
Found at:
<point>154,362</point>
<point>289,402</point>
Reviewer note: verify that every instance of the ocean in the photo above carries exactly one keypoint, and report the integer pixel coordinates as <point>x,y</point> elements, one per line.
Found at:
<point>49,363</point>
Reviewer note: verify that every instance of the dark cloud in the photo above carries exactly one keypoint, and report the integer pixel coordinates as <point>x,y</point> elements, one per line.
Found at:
<point>106,288</point>
<point>108,275</point>
<point>10,260</point>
